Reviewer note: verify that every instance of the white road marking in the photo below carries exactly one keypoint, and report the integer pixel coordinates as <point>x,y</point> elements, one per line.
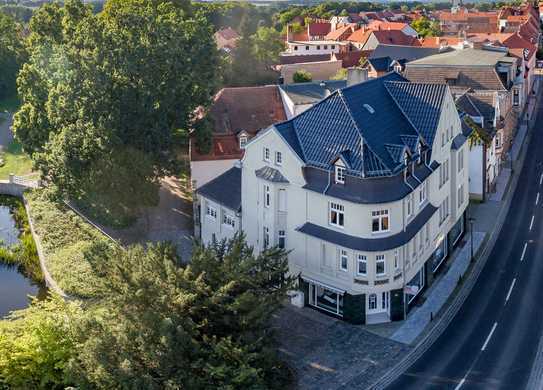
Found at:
<point>537,199</point>
<point>510,289</point>
<point>541,179</point>
<point>523,251</point>
<point>459,385</point>
<point>532,222</point>
<point>489,336</point>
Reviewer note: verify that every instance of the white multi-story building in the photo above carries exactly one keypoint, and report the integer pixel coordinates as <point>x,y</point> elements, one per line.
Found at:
<point>367,189</point>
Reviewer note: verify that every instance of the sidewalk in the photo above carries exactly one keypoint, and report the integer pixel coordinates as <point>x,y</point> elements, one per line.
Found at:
<point>443,287</point>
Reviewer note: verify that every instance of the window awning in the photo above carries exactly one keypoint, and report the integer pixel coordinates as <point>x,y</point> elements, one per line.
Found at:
<point>326,286</point>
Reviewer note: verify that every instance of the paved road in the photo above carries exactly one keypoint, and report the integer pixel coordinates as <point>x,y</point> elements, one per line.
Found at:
<point>492,341</point>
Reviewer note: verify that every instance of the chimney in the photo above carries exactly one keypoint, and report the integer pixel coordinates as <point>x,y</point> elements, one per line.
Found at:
<point>356,76</point>
<point>289,33</point>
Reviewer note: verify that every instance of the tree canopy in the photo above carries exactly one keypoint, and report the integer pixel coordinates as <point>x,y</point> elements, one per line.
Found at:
<point>426,28</point>
<point>206,325</point>
<point>104,95</point>
<point>302,76</point>
<point>12,54</point>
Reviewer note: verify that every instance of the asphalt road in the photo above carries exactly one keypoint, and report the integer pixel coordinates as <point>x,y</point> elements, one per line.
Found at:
<point>492,341</point>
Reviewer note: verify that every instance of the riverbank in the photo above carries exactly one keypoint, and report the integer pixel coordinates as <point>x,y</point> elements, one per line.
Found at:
<point>21,253</point>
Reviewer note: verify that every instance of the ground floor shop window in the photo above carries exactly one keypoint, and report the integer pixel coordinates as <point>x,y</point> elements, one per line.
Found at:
<point>325,298</point>
<point>457,231</point>
<point>415,286</point>
<point>439,254</point>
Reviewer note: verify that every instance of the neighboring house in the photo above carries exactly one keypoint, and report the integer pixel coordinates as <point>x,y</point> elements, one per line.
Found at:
<point>316,31</point>
<point>342,33</point>
<point>237,114</point>
<point>479,113</point>
<point>304,48</point>
<point>403,27</point>
<point>218,209</point>
<point>443,42</point>
<point>226,39</point>
<point>320,70</point>
<point>462,20</point>
<point>387,58</point>
<point>370,39</point>
<point>299,97</point>
<point>367,190</point>
<point>478,69</point>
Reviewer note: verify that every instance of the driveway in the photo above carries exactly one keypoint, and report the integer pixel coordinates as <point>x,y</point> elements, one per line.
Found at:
<point>171,221</point>
<point>327,353</point>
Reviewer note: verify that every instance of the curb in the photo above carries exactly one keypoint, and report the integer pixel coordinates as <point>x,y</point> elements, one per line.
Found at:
<point>450,312</point>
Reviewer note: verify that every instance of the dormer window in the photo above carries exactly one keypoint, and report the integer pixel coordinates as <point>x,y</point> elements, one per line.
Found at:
<point>242,141</point>
<point>339,172</point>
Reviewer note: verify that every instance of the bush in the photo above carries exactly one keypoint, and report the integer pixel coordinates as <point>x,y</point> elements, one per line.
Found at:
<point>67,242</point>
<point>302,76</point>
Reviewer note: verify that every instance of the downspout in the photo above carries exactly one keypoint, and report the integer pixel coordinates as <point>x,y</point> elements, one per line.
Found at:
<point>329,183</point>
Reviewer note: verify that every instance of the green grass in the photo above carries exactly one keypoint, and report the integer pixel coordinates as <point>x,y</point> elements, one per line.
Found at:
<point>15,161</point>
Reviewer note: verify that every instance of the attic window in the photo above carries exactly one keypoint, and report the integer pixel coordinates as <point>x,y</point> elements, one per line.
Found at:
<point>242,141</point>
<point>339,172</point>
<point>369,108</point>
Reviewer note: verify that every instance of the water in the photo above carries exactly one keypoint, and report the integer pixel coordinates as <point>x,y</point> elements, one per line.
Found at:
<point>14,286</point>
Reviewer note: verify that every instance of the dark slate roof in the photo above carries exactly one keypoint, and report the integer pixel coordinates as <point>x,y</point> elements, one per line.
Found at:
<point>380,64</point>
<point>372,121</point>
<point>458,141</point>
<point>421,103</point>
<point>270,174</point>
<point>224,189</point>
<point>311,93</point>
<point>465,104</point>
<point>400,52</point>
<point>365,191</point>
<point>371,244</point>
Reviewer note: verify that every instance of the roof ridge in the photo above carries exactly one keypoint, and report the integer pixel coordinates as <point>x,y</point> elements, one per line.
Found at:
<point>402,110</point>
<point>362,140</point>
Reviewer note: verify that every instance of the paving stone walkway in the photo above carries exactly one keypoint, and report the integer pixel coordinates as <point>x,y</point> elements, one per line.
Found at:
<point>439,292</point>
<point>327,353</point>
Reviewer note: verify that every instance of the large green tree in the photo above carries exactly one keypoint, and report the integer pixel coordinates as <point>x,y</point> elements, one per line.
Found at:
<point>105,95</point>
<point>203,326</point>
<point>11,54</point>
<point>426,27</point>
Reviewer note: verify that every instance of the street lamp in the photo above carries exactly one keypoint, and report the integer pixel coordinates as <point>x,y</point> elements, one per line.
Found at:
<point>471,220</point>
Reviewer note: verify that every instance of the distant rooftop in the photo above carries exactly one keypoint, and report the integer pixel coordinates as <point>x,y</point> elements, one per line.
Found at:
<point>466,57</point>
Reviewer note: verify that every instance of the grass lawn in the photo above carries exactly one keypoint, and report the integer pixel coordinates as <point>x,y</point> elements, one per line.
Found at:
<point>15,161</point>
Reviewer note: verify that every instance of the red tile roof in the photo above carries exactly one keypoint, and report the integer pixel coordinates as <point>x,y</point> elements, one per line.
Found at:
<point>395,37</point>
<point>381,25</point>
<point>319,28</point>
<point>228,33</point>
<point>337,34</point>
<point>440,41</point>
<point>248,109</point>
<point>352,58</point>
<point>360,36</point>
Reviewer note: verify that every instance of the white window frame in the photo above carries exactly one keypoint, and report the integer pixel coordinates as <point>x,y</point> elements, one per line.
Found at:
<point>266,154</point>
<point>243,141</point>
<point>380,259</point>
<point>343,260</point>
<point>339,209</point>
<point>396,260</point>
<point>380,216</point>
<point>228,220</point>
<point>281,235</point>
<point>410,205</point>
<point>460,195</point>
<point>422,192</point>
<point>460,160</point>
<point>361,259</point>
<point>278,158</point>
<point>339,173</point>
<point>267,196</point>
<point>211,212</point>
<point>266,237</point>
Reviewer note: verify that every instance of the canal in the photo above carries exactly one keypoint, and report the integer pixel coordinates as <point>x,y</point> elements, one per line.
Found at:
<point>15,288</point>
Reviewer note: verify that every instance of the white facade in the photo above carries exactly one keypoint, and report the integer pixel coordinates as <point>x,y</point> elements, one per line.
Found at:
<point>301,48</point>
<point>204,171</point>
<point>216,221</point>
<point>274,211</point>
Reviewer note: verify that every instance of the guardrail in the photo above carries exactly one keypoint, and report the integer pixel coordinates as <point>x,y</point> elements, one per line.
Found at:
<point>25,181</point>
